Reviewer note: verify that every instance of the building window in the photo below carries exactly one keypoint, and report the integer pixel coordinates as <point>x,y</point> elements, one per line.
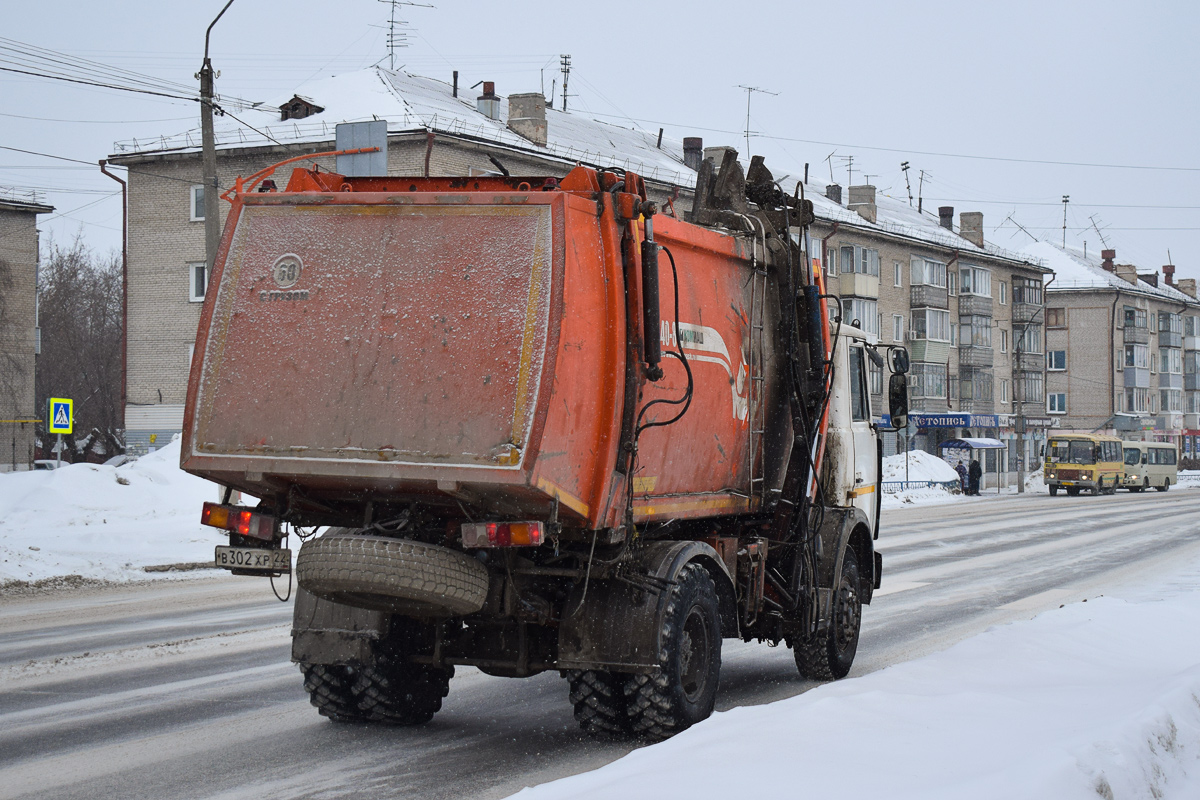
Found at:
<point>1056,360</point>
<point>1032,387</point>
<point>863,314</point>
<point>1055,317</point>
<point>928,380</point>
<point>924,272</point>
<point>1137,355</point>
<point>973,280</point>
<point>1171,399</point>
<point>1136,400</point>
<point>197,203</point>
<point>932,324</point>
<point>976,331</point>
<point>1003,287</point>
<point>952,283</point>
<point>1170,360</point>
<point>897,272</point>
<point>1031,340</point>
<point>1191,325</point>
<point>897,327</point>
<point>1169,323</point>
<point>1003,341</point>
<point>1134,317</point>
<point>866,261</point>
<point>831,268</point>
<point>1056,402</point>
<point>1003,390</point>
<point>876,375</point>
<point>197,281</point>
<point>976,386</point>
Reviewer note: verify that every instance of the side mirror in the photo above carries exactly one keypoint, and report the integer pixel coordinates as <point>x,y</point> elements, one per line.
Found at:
<point>899,358</point>
<point>898,399</point>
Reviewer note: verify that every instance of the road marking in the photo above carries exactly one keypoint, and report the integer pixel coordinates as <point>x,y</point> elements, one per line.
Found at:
<point>890,587</point>
<point>1037,602</point>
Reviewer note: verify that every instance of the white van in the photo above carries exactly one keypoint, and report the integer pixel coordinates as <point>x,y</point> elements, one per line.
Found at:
<point>1150,464</point>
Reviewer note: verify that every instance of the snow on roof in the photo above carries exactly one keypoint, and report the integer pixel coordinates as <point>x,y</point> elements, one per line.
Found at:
<point>1074,270</point>
<point>972,442</point>
<point>411,103</point>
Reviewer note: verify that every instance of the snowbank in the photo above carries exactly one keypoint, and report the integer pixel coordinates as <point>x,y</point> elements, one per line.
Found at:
<point>103,522</point>
<point>921,467</point>
<point>1095,700</point>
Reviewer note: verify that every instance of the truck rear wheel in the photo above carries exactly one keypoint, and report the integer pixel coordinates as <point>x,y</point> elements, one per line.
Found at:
<point>684,691</point>
<point>391,575</point>
<point>401,694</point>
<point>829,655</point>
<point>599,701</point>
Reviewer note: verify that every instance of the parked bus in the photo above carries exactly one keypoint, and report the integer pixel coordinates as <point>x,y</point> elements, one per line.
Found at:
<point>1150,464</point>
<point>1080,461</point>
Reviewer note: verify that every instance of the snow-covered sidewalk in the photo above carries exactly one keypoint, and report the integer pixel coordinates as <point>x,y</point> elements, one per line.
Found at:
<point>1099,699</point>
<point>101,522</point>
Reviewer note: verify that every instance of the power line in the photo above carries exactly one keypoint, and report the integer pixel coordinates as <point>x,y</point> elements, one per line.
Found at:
<point>97,121</point>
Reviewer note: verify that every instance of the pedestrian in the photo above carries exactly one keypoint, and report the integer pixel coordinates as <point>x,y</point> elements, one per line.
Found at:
<point>961,469</point>
<point>975,473</point>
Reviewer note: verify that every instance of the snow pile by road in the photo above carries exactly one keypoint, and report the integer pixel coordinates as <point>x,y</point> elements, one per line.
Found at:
<point>103,522</point>
<point>920,467</point>
<point>1100,699</point>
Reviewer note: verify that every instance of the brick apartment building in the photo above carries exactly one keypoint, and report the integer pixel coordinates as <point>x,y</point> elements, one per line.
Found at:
<point>1122,348</point>
<point>18,329</point>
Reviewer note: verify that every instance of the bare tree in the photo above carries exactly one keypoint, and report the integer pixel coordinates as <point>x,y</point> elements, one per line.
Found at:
<point>79,295</point>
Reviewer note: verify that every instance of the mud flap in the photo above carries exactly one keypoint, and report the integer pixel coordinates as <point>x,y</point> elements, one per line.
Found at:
<point>324,632</point>
<point>614,624</point>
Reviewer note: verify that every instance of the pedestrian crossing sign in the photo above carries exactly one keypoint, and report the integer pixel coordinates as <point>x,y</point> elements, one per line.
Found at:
<point>62,419</point>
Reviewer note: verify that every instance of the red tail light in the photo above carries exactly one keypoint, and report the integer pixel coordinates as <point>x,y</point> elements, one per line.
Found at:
<point>239,520</point>
<point>503,534</point>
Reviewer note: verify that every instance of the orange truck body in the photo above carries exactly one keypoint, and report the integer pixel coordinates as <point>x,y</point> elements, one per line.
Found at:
<point>476,339</point>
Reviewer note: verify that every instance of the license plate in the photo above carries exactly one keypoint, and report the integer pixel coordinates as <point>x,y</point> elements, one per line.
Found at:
<point>253,558</point>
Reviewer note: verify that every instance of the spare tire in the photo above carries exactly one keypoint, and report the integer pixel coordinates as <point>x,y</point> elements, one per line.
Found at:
<point>395,575</point>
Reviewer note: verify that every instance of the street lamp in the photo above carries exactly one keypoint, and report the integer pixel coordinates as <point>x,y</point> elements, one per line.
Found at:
<point>212,211</point>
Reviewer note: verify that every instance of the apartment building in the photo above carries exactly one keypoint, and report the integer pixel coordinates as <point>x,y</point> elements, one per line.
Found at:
<point>1122,348</point>
<point>19,342</point>
<point>433,129</point>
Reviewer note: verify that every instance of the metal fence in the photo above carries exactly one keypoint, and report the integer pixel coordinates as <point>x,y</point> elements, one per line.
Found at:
<point>891,487</point>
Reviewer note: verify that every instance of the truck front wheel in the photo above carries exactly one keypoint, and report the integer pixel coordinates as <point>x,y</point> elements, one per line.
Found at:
<point>684,691</point>
<point>829,655</point>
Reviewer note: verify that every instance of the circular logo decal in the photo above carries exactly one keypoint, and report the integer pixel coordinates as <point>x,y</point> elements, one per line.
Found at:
<point>286,271</point>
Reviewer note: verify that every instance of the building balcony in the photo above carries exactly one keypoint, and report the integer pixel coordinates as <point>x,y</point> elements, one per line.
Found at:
<point>1169,421</point>
<point>929,297</point>
<point>1191,421</point>
<point>1170,380</point>
<point>1191,343</point>
<point>929,352</point>
<point>1136,336</point>
<point>1137,378</point>
<point>1170,339</point>
<point>855,284</point>
<point>1191,381</point>
<point>971,356</point>
<point>1030,362</point>
<point>976,406</point>
<point>975,305</point>
<point>1025,312</point>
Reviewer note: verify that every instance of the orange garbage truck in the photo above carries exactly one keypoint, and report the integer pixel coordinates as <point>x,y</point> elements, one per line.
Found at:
<point>530,424</point>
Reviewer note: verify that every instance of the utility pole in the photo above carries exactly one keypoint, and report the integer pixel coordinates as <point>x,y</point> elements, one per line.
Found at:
<point>749,91</point>
<point>1066,199</point>
<point>920,191</point>
<point>212,209</point>
<point>1019,421</point>
<point>907,182</point>
<point>565,66</point>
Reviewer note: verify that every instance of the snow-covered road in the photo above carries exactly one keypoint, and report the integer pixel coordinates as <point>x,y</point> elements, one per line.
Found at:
<point>183,688</point>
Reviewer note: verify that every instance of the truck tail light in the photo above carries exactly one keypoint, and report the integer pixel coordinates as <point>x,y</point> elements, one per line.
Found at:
<point>238,520</point>
<point>503,534</point>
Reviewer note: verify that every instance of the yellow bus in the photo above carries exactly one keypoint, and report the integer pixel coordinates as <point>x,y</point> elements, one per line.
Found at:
<point>1150,464</point>
<point>1078,461</point>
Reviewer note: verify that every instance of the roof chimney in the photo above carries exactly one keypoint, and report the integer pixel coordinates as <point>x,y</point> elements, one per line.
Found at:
<point>833,191</point>
<point>946,217</point>
<point>693,152</point>
<point>1108,256</point>
<point>1169,274</point>
<point>970,227</point>
<point>487,103</point>
<point>1187,286</point>
<point>1127,272</point>
<point>527,116</point>
<point>862,200</point>
<point>1150,278</point>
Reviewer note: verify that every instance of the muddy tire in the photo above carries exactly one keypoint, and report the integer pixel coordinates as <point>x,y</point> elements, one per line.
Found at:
<point>401,694</point>
<point>684,690</point>
<point>331,689</point>
<point>599,701</point>
<point>391,575</point>
<point>829,655</point>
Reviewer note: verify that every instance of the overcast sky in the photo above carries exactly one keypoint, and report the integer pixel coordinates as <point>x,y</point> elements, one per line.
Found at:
<point>971,93</point>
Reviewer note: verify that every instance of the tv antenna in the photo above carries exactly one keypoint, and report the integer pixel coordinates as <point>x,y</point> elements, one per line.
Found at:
<point>907,182</point>
<point>397,35</point>
<point>749,91</point>
<point>920,190</point>
<point>1022,227</point>
<point>565,66</point>
<point>1103,241</point>
<point>849,160</point>
<point>1066,199</point>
